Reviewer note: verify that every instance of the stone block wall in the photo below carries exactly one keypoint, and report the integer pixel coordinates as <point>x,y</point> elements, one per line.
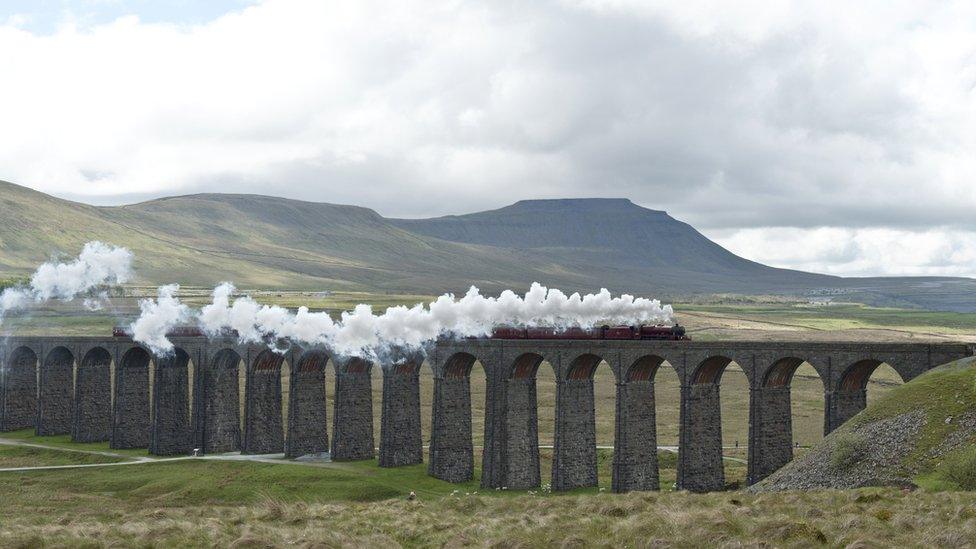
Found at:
<point>521,435</point>
<point>54,405</point>
<point>451,448</point>
<point>700,452</point>
<point>307,412</point>
<point>130,414</point>
<point>18,391</point>
<point>771,444</point>
<point>93,398</point>
<point>842,405</point>
<point>263,428</point>
<point>352,427</point>
<point>400,437</point>
<point>219,402</point>
<point>574,456</point>
<point>170,432</point>
<point>635,465</point>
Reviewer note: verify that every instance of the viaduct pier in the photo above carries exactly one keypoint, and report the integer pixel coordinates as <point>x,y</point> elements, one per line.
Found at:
<point>112,389</point>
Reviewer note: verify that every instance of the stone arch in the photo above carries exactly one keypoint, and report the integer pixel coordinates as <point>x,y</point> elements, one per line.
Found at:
<point>18,390</point>
<point>130,413</point>
<point>850,393</point>
<point>307,431</point>
<point>771,436</point>
<point>856,376</point>
<point>93,397</point>
<point>459,365</point>
<point>780,374</point>
<point>55,394</point>
<point>525,366</point>
<point>710,370</point>
<point>701,466</point>
<point>219,397</point>
<point>583,367</point>
<point>171,409</point>
<point>263,419</point>
<point>644,368</point>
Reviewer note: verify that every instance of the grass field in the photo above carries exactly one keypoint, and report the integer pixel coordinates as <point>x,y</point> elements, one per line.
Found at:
<point>208,503</point>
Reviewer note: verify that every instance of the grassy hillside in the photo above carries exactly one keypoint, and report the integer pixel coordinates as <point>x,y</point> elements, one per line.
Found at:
<point>267,242</point>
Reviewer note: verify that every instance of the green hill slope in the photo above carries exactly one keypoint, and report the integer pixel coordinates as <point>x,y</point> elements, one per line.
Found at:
<point>573,244</point>
<point>921,432</point>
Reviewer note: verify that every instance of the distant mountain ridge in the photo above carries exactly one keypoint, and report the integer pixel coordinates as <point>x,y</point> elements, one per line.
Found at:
<point>573,244</point>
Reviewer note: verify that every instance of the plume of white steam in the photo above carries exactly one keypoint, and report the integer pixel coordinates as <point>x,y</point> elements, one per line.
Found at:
<point>158,317</point>
<point>98,264</point>
<point>363,333</point>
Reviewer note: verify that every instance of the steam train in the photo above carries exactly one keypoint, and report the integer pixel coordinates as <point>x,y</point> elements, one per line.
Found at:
<point>659,332</point>
<point>176,331</point>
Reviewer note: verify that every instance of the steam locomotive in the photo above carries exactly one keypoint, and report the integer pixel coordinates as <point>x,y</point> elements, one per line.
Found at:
<point>176,331</point>
<point>659,332</point>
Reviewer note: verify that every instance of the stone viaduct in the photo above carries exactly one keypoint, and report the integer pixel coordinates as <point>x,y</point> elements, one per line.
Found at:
<point>112,389</point>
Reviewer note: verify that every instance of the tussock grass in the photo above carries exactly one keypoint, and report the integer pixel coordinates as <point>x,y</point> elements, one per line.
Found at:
<point>839,519</point>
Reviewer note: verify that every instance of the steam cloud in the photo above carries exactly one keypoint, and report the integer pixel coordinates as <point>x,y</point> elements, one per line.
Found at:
<point>357,333</point>
<point>97,265</point>
<point>158,317</point>
<point>363,333</point>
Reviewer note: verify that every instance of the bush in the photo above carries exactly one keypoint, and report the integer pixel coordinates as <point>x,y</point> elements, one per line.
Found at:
<point>849,449</point>
<point>960,469</point>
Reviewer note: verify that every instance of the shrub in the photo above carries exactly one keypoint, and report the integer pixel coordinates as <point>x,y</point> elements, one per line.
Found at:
<point>960,469</point>
<point>849,449</point>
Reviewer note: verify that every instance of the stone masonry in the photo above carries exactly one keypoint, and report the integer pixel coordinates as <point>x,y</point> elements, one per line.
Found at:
<point>55,393</point>
<point>307,415</point>
<point>451,448</point>
<point>170,432</point>
<point>400,438</point>
<point>263,429</point>
<point>217,397</point>
<point>130,413</point>
<point>93,398</point>
<point>18,391</point>
<point>352,425</point>
<point>635,466</point>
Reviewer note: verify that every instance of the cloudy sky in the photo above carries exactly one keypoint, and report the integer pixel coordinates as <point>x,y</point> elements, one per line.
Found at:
<point>835,140</point>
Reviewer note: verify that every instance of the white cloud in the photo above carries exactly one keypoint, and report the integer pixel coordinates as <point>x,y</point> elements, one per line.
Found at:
<point>741,115</point>
<point>859,252</point>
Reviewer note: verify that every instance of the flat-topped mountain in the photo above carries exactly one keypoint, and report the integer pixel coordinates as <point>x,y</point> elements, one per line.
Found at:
<point>573,244</point>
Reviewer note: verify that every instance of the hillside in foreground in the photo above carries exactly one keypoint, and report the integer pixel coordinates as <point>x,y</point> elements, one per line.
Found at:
<point>922,433</point>
<point>573,244</point>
